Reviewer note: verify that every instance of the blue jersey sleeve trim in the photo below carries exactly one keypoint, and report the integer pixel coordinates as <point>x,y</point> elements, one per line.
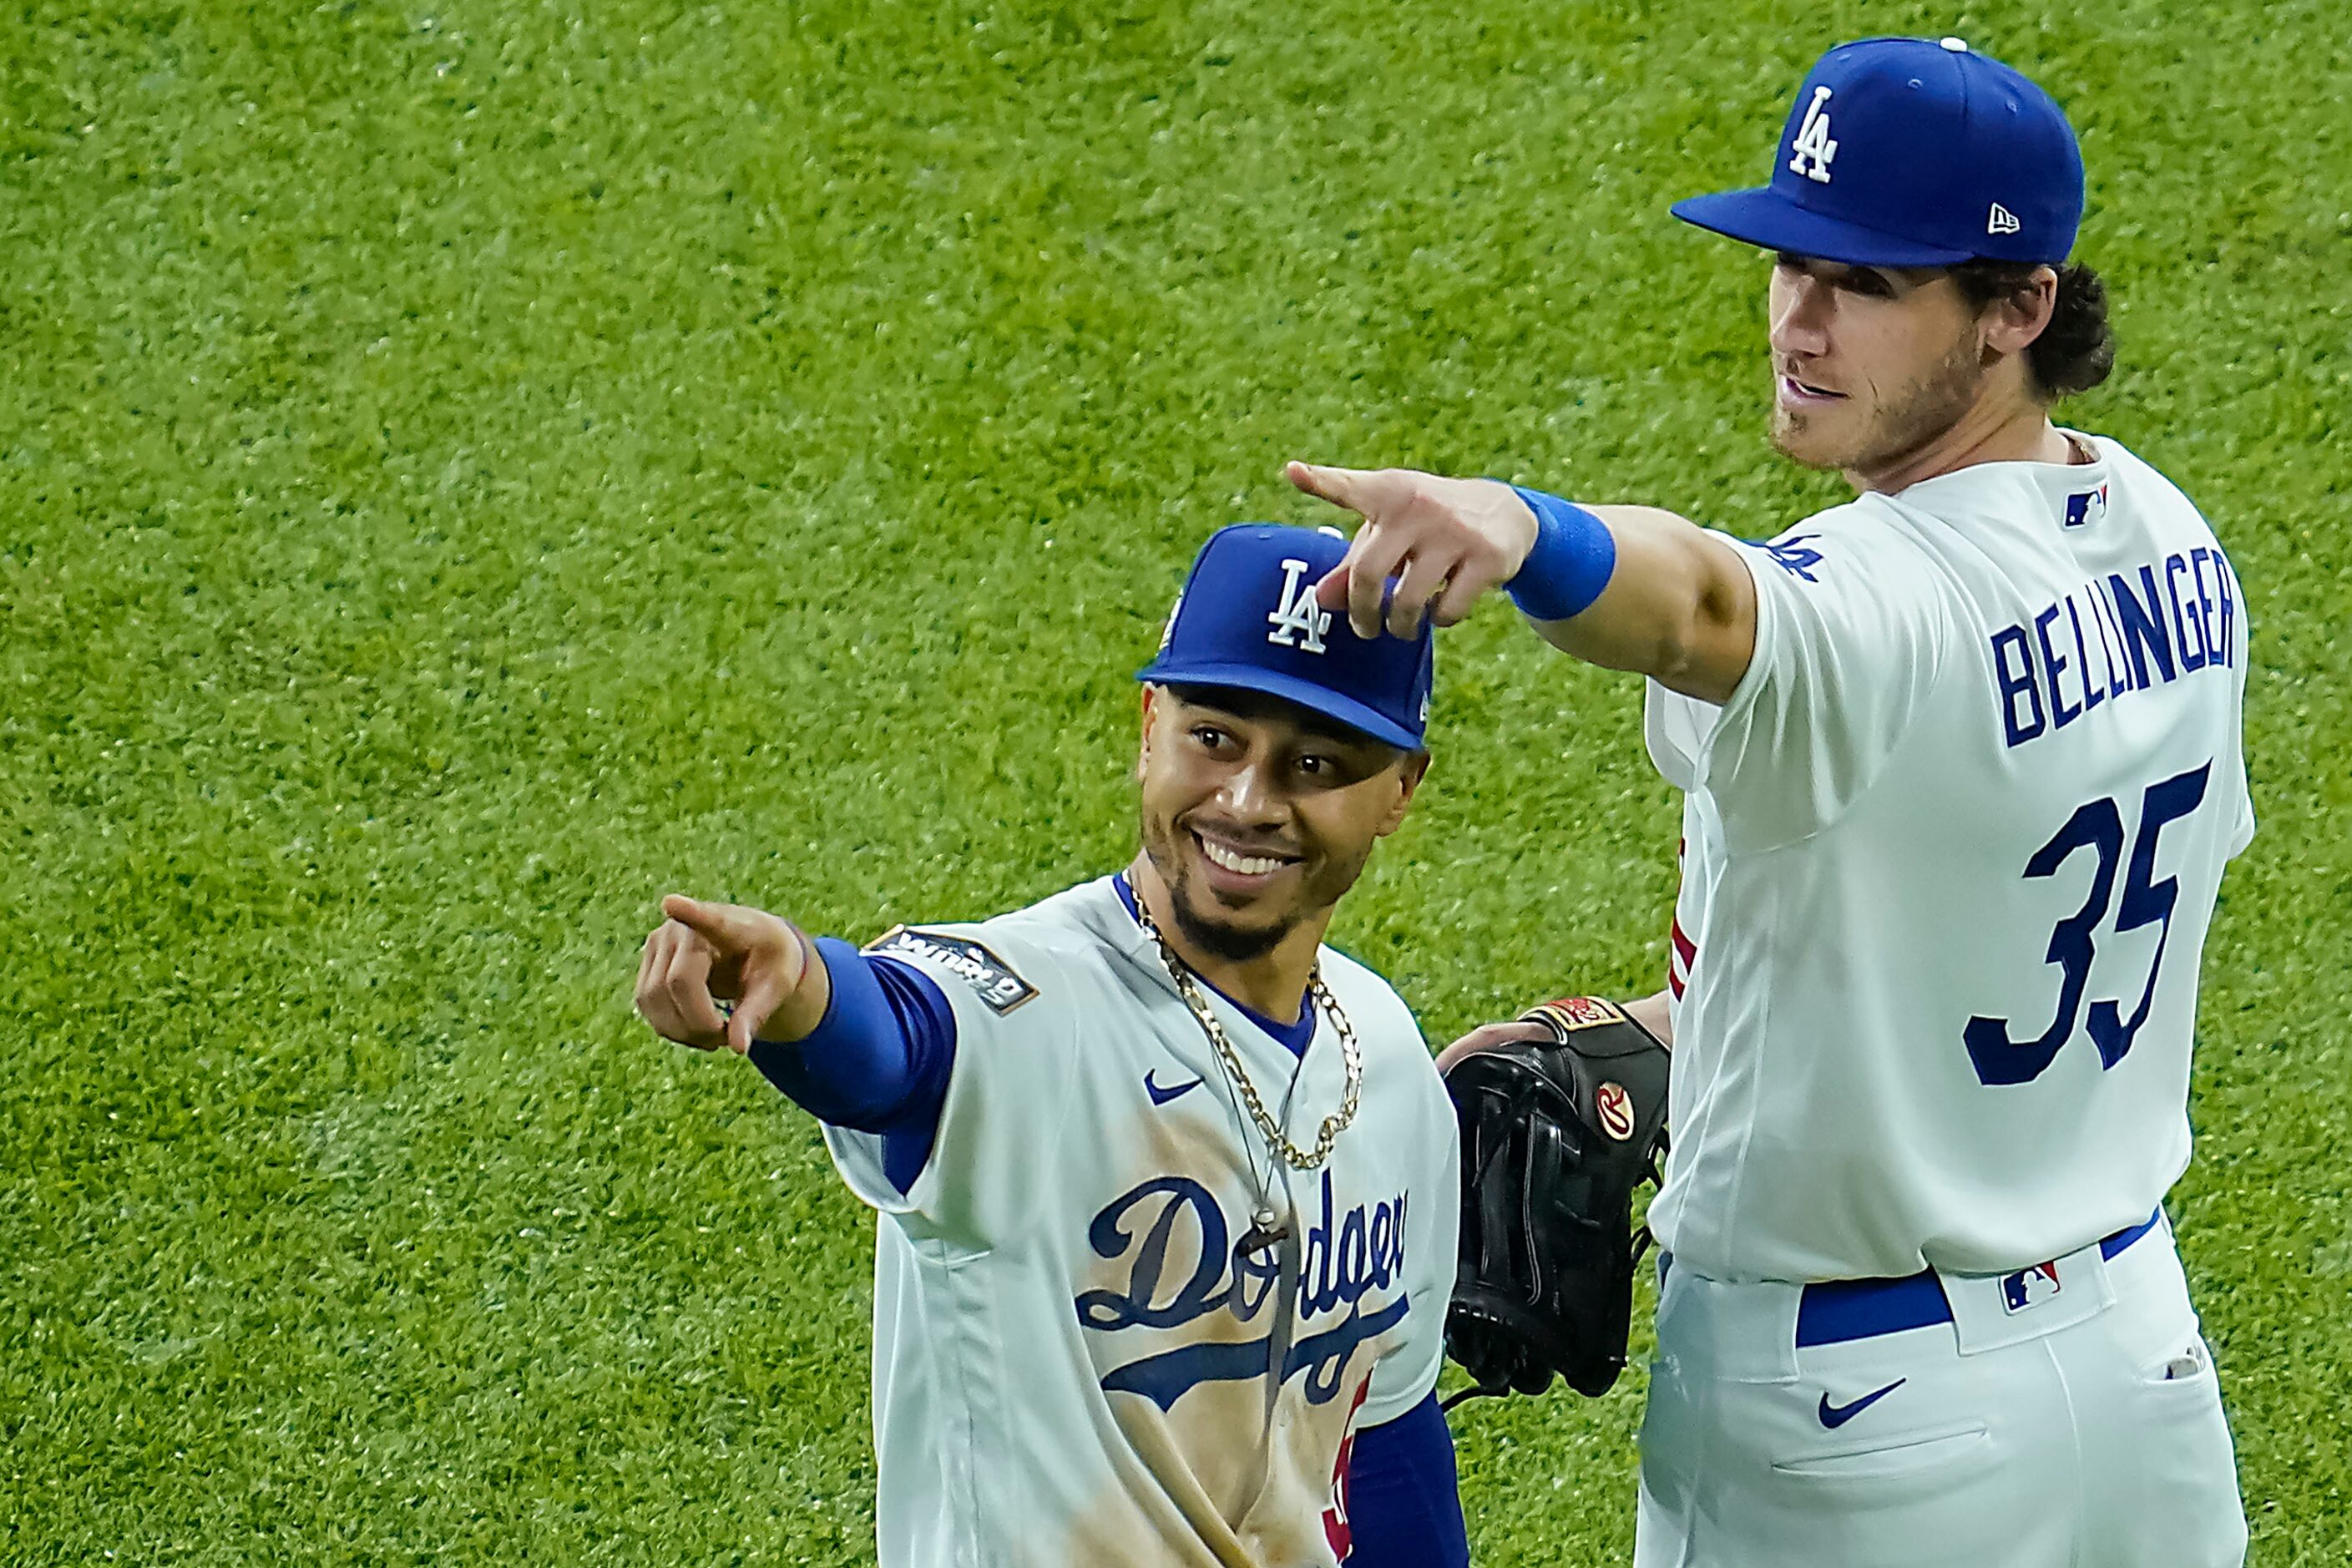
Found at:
<point>878,1062</point>
<point>1404,1507</point>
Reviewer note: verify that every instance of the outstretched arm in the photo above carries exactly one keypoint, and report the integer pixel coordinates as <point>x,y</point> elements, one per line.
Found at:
<point>1628,587</point>
<point>860,1042</point>
<point>702,954</point>
<point>1679,607</point>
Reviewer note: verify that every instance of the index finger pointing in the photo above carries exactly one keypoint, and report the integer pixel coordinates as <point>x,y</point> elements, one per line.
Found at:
<point>715,923</point>
<point>1337,486</point>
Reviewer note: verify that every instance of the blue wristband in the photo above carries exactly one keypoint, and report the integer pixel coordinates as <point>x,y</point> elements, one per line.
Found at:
<point>1574,557</point>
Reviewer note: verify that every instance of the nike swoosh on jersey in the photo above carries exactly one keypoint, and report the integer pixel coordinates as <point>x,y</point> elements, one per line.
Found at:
<point>1836,1415</point>
<point>1163,1095</point>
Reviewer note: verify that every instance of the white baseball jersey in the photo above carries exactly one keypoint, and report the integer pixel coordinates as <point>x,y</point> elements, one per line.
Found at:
<point>1071,1348</point>
<point>1950,851</point>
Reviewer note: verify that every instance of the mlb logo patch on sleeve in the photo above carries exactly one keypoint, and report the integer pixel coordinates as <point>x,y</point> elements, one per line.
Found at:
<point>967,961</point>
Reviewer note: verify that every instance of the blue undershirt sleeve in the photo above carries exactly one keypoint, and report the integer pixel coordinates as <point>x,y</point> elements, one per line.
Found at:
<point>1404,1508</point>
<point>877,1062</point>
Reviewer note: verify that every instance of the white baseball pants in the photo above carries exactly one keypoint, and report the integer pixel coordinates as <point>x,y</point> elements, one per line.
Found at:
<point>2078,1426</point>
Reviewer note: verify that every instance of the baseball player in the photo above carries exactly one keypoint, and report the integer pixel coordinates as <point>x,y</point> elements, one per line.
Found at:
<point>1167,1187</point>
<point>1962,766</point>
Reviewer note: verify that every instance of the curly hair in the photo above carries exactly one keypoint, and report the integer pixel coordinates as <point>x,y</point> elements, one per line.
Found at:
<point>2077,349</point>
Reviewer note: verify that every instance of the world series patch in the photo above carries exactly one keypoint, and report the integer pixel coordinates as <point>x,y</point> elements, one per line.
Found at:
<point>972,962</point>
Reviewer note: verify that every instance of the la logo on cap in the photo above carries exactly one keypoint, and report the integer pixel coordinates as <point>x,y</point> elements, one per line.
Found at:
<point>1298,615</point>
<point>1812,150</point>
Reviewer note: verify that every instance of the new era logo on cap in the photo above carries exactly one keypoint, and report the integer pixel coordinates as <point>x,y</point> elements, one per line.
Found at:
<point>2002,221</point>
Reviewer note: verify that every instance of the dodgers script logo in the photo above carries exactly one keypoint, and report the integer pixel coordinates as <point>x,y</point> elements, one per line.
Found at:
<point>1298,615</point>
<point>1346,1260</point>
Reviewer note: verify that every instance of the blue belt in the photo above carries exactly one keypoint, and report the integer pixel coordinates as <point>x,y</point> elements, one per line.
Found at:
<point>1836,1311</point>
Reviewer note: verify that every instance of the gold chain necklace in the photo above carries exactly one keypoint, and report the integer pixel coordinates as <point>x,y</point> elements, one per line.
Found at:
<point>1276,1139</point>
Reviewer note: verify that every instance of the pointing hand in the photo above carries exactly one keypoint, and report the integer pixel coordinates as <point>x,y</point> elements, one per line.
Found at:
<point>1445,541</point>
<point>704,954</point>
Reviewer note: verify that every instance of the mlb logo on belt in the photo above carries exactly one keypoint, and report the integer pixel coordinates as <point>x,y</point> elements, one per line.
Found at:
<point>2029,1287</point>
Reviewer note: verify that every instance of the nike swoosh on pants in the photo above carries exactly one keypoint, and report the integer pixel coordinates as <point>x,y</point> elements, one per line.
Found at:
<point>1836,1415</point>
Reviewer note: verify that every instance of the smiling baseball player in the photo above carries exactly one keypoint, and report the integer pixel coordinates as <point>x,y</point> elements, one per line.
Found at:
<point>1962,766</point>
<point>1167,1186</point>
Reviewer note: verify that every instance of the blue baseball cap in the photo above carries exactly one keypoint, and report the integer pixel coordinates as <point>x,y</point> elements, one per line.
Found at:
<point>1912,153</point>
<point>1247,621</point>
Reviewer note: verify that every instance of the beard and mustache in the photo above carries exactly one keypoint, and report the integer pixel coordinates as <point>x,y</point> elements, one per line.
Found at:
<point>1324,881</point>
<point>1906,421</point>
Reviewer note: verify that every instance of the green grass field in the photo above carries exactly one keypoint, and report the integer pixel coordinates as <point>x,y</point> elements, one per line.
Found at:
<point>470,468</point>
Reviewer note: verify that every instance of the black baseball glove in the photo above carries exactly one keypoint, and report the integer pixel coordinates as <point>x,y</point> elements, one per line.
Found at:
<point>1555,1133</point>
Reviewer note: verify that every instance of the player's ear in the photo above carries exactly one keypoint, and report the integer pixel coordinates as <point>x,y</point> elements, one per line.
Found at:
<point>2012,321</point>
<point>1410,771</point>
